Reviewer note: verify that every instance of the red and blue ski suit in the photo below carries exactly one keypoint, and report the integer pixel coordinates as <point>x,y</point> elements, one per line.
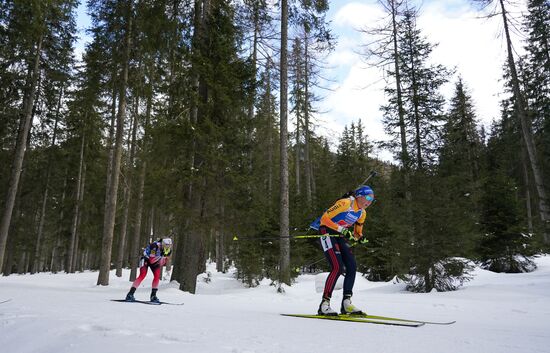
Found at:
<point>153,257</point>
<point>345,213</point>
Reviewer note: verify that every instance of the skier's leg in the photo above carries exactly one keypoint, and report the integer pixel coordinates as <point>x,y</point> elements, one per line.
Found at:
<point>155,285</point>
<point>137,282</point>
<point>141,277</point>
<point>332,254</point>
<point>156,276</point>
<point>351,266</point>
<point>336,266</point>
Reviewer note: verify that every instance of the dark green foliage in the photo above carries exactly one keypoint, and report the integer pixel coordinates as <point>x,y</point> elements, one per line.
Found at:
<point>537,66</point>
<point>504,242</point>
<point>207,139</point>
<point>503,245</point>
<point>381,258</point>
<point>26,27</point>
<point>536,72</point>
<point>443,276</point>
<point>460,168</point>
<point>421,82</point>
<point>352,159</point>
<point>438,236</point>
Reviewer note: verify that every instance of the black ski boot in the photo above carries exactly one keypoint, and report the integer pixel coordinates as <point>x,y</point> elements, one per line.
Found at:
<point>154,298</point>
<point>130,295</point>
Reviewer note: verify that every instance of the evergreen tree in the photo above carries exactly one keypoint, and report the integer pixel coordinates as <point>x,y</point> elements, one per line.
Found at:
<point>352,157</point>
<point>38,36</point>
<point>460,169</point>
<point>503,247</point>
<point>537,27</point>
<point>383,52</point>
<point>524,120</point>
<point>421,84</point>
<point>460,152</point>
<point>416,108</point>
<point>284,261</point>
<point>218,136</point>
<point>537,81</point>
<point>126,9</point>
<point>298,101</point>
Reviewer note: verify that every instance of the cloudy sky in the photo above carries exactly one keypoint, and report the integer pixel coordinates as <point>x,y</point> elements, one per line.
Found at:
<point>472,45</point>
<point>467,42</point>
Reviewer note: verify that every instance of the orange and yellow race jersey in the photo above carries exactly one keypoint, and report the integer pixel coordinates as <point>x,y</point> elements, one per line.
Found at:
<point>344,213</point>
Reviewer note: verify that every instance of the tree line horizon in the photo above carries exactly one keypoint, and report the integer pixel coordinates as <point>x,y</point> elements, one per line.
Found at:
<point>172,125</point>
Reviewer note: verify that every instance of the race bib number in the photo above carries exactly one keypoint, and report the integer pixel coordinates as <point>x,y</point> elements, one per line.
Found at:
<point>326,243</point>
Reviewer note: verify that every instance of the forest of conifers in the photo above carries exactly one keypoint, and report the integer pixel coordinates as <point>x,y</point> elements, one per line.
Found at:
<point>172,125</point>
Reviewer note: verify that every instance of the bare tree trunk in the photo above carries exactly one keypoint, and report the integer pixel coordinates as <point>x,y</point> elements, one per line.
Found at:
<point>401,112</point>
<point>190,256</point>
<point>195,82</point>
<point>37,258</point>
<point>10,257</point>
<point>110,214</point>
<point>298,149</point>
<point>76,245</point>
<point>110,147</point>
<point>415,101</point>
<point>250,113</point>
<point>527,133</point>
<point>20,148</point>
<point>270,142</point>
<point>195,247</point>
<point>134,257</point>
<point>284,259</point>
<point>313,185</point>
<point>418,138</point>
<point>127,194</point>
<point>57,263</point>
<point>307,161</point>
<point>527,186</point>
<point>220,241</point>
<point>525,169</point>
<point>405,158</point>
<point>79,219</point>
<point>298,109</point>
<point>21,263</point>
<point>53,255</point>
<point>74,225</point>
<point>36,267</point>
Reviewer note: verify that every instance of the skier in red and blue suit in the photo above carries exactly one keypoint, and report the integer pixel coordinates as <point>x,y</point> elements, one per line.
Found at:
<point>154,256</point>
<point>347,212</point>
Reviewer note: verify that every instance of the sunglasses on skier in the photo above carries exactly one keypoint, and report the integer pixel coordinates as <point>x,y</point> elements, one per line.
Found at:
<point>369,197</point>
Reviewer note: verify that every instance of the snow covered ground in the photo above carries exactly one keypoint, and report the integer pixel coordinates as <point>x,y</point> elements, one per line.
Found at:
<point>495,313</point>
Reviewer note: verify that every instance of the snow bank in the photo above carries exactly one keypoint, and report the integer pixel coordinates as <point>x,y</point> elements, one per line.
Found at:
<point>495,313</point>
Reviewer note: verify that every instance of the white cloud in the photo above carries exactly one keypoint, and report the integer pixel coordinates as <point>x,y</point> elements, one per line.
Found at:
<point>359,91</point>
<point>472,46</point>
<point>357,14</point>
<point>465,41</point>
